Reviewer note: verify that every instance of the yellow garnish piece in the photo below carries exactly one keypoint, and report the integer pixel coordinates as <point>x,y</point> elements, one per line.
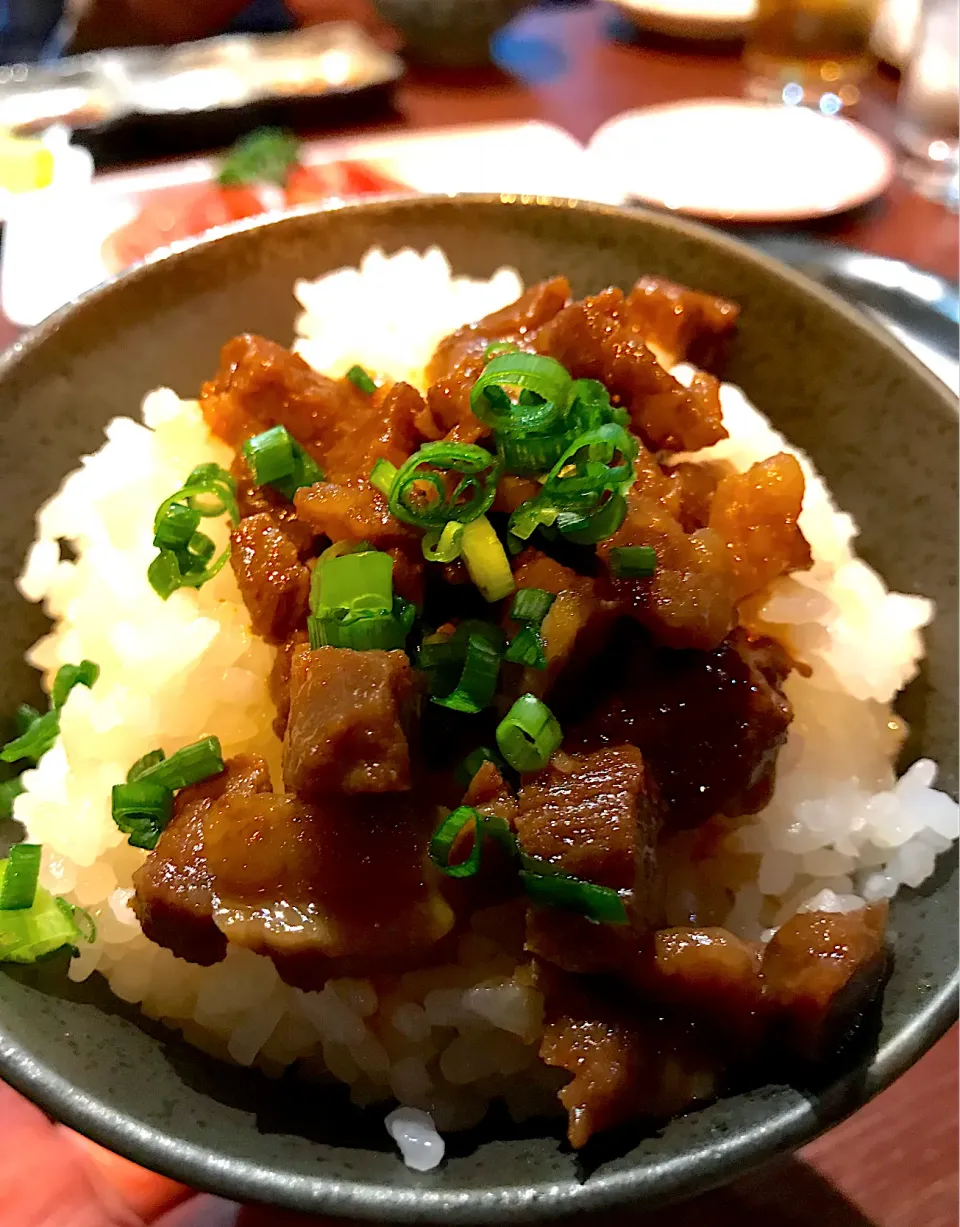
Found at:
<point>25,163</point>
<point>486,559</point>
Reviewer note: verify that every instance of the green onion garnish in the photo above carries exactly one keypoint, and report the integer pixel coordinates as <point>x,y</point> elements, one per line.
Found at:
<point>633,561</point>
<point>187,766</point>
<point>445,837</point>
<point>276,459</point>
<point>442,544</point>
<point>425,493</point>
<point>26,715</point>
<point>529,734</point>
<point>35,742</point>
<point>365,633</point>
<point>382,476</point>
<point>526,648</point>
<point>142,810</point>
<point>361,380</point>
<point>9,791</point>
<point>475,760</point>
<point>597,462</point>
<point>68,676</point>
<point>144,764</point>
<point>590,407</point>
<point>481,667</point>
<point>20,877</point>
<point>496,348</point>
<point>48,924</point>
<point>541,413</point>
<point>185,554</point>
<point>592,527</point>
<point>531,605</point>
<point>529,516</point>
<point>599,903</point>
<point>486,560</point>
<point>353,606</point>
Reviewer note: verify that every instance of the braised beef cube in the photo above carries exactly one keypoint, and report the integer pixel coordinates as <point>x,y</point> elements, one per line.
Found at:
<point>173,888</point>
<point>274,583</point>
<point>710,724</point>
<point>349,716</point>
<point>822,971</point>
<point>351,512</point>
<point>594,817</point>
<point>279,680</point>
<point>341,887</point>
<point>626,1063</point>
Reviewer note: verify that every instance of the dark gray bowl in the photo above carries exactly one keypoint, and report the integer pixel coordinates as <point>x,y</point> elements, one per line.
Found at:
<point>884,434</point>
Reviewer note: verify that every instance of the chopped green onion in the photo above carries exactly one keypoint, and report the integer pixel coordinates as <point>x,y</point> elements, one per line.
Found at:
<point>86,925</point>
<point>599,903</point>
<point>144,764</point>
<point>633,561</point>
<point>361,380</point>
<point>529,734</point>
<point>26,715</point>
<point>442,544</point>
<point>526,648</point>
<point>68,676</point>
<point>382,476</point>
<point>481,667</point>
<point>529,516</point>
<point>276,459</point>
<point>475,760</point>
<point>405,613</point>
<point>264,155</point>
<point>142,810</point>
<point>591,527</point>
<point>597,462</point>
<point>270,456</point>
<point>544,377</point>
<point>352,583</point>
<point>425,495</point>
<point>496,348</point>
<point>590,407</point>
<point>188,765</point>
<point>486,560</point>
<point>363,633</point>
<point>445,836</point>
<point>27,934</point>
<point>9,791</point>
<point>340,548</point>
<point>531,605</point>
<point>35,742</point>
<point>185,555</point>
<point>20,877</point>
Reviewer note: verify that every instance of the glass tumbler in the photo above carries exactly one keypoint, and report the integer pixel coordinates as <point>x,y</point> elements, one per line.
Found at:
<point>928,104</point>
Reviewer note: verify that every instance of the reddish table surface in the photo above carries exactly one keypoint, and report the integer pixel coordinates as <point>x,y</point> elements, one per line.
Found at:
<point>894,1163</point>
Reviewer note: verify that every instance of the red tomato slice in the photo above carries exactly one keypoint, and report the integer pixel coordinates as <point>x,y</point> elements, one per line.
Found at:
<point>306,184</point>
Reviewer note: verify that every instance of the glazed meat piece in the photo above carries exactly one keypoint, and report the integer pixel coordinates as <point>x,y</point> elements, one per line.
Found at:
<point>709,724</point>
<point>821,971</point>
<point>173,888</point>
<point>260,384</point>
<point>694,486</point>
<point>326,889</point>
<point>576,624</point>
<point>279,680</point>
<point>709,973</point>
<point>264,500</point>
<point>274,583</point>
<point>347,728</point>
<point>594,339</point>
<point>756,514</point>
<point>690,600</point>
<point>488,793</point>
<point>351,512</point>
<point>677,323</point>
<point>389,424</point>
<point>626,1064</point>
<point>453,369</point>
<point>595,817</point>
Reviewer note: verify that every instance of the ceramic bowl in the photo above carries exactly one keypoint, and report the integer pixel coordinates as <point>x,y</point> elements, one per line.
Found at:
<point>448,33</point>
<point>884,434</point>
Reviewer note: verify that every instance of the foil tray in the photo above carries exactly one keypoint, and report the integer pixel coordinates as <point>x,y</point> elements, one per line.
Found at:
<point>168,99</point>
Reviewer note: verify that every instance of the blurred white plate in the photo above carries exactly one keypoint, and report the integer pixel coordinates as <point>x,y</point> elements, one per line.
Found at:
<point>742,161</point>
<point>53,241</point>
<point>708,19</point>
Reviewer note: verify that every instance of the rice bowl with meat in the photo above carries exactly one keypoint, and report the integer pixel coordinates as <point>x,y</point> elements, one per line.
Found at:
<point>834,838</point>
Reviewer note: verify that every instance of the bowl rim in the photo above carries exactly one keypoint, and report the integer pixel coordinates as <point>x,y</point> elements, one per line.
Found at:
<point>668,1179</point>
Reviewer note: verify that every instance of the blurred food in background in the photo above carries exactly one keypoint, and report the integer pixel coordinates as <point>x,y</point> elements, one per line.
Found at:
<point>706,19</point>
<point>263,171</point>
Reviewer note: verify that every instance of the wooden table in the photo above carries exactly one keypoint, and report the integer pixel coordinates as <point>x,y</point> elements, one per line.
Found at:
<point>893,1164</point>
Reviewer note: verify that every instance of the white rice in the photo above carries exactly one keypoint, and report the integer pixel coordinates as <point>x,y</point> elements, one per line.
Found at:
<point>840,827</point>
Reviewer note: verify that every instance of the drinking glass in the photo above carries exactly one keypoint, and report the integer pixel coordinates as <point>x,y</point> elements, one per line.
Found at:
<point>812,52</point>
<point>927,106</point>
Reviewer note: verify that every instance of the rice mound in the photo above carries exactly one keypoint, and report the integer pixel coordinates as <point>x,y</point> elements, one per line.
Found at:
<point>840,827</point>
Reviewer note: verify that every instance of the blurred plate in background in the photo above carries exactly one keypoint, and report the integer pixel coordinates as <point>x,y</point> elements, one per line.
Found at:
<point>742,161</point>
<point>704,19</point>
